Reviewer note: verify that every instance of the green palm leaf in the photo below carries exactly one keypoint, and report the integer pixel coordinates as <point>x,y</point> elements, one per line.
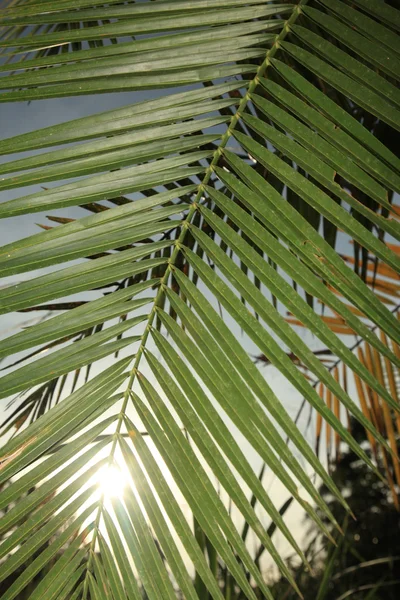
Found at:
<point>213,210</point>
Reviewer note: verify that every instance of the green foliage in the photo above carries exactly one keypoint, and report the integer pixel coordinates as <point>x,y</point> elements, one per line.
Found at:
<point>213,209</point>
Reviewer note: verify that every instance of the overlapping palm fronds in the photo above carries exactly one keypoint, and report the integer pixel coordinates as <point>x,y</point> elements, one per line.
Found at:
<point>222,198</point>
<point>385,283</point>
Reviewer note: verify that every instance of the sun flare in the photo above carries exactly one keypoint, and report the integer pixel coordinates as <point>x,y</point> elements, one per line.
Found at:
<point>112,482</point>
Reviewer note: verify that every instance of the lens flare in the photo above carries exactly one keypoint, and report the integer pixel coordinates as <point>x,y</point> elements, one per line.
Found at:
<point>112,482</point>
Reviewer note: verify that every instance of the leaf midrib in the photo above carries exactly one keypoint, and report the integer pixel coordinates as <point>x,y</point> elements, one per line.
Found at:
<point>261,72</point>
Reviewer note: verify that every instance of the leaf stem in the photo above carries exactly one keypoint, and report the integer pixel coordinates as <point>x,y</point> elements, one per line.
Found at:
<point>179,242</point>
<point>224,140</point>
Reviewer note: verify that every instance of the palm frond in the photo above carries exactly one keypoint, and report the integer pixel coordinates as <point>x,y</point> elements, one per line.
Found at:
<point>212,210</point>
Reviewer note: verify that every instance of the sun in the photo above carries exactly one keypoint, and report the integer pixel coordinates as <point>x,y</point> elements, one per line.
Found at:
<point>112,482</point>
